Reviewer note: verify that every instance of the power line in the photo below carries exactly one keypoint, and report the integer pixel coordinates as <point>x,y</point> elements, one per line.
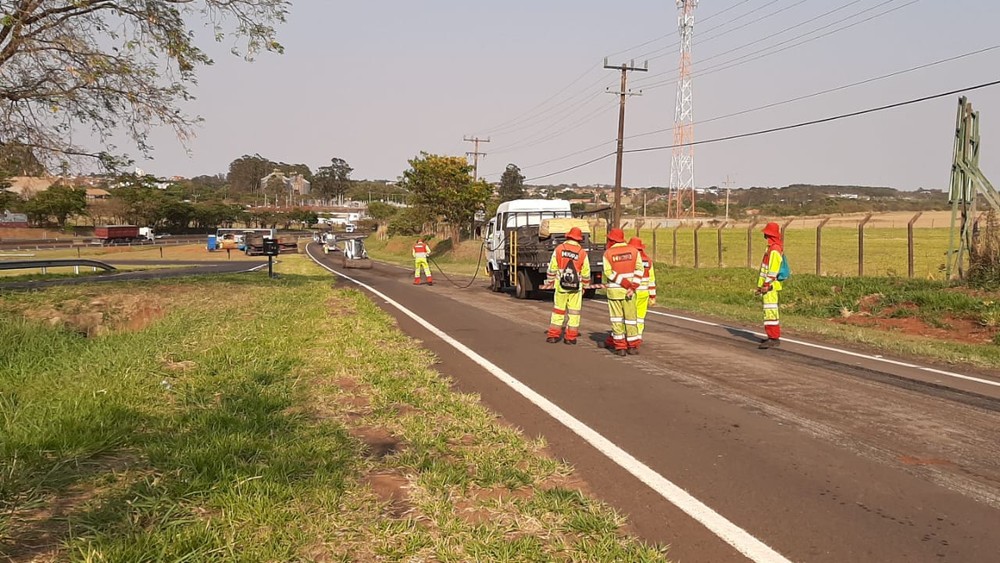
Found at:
<point>829,90</point>
<point>784,127</point>
<point>733,62</point>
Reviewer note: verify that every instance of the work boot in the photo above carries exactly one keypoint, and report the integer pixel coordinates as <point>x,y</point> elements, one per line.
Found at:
<point>430,281</point>
<point>621,353</point>
<point>552,339</point>
<point>416,282</point>
<point>633,352</point>
<point>570,342</point>
<point>769,343</point>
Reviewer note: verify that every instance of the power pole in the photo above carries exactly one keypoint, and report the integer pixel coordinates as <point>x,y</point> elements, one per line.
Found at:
<point>682,160</point>
<point>475,154</point>
<point>728,184</point>
<point>623,93</point>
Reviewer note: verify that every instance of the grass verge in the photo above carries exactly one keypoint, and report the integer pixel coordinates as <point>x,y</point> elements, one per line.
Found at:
<point>247,418</point>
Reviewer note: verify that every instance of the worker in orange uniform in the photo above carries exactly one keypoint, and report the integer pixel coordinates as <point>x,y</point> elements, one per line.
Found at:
<point>569,274</point>
<point>420,253</point>
<point>623,275</point>
<point>768,285</point>
<point>646,294</point>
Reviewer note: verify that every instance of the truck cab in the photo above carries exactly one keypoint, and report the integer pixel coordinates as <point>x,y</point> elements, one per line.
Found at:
<point>520,239</point>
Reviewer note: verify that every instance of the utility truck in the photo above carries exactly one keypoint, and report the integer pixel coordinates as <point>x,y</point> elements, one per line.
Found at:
<point>520,239</point>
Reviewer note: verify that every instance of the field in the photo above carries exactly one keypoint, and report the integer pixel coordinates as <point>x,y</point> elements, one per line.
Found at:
<point>156,422</point>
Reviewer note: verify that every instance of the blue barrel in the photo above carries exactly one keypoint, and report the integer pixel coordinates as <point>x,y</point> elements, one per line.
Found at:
<point>213,243</point>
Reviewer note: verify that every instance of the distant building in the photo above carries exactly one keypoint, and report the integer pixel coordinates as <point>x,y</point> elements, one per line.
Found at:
<point>97,193</point>
<point>13,220</point>
<point>296,183</point>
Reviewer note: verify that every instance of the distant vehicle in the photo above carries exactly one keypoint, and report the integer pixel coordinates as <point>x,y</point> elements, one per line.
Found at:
<point>349,228</point>
<point>235,239</point>
<point>147,233</point>
<point>253,244</point>
<point>520,239</point>
<point>116,234</point>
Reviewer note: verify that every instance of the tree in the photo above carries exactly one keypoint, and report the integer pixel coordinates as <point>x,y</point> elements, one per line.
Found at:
<point>246,172</point>
<point>380,211</point>
<point>113,67</point>
<point>444,185</point>
<point>511,183</point>
<point>19,160</point>
<point>59,202</point>
<point>332,181</point>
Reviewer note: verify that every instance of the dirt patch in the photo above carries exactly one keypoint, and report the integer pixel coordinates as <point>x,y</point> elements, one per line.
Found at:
<point>96,315</point>
<point>392,490</point>
<point>379,442</point>
<point>40,530</point>
<point>949,328</point>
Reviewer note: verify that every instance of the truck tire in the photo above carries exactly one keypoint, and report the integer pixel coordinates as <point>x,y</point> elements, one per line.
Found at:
<point>523,288</point>
<point>496,281</point>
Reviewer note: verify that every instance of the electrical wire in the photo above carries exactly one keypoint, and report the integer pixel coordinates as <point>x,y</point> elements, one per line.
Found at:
<point>733,63</point>
<point>781,128</point>
<point>827,91</point>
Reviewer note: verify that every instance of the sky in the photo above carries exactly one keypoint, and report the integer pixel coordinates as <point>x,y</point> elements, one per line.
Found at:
<point>376,83</point>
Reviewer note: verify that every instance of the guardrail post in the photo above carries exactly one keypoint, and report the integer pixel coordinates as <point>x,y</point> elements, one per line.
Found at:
<point>909,244</point>
<point>719,233</point>
<point>753,223</point>
<point>696,259</point>
<point>861,244</point>
<point>819,246</point>
<point>675,243</point>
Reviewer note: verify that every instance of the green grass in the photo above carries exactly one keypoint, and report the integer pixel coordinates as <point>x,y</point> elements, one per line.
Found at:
<point>242,418</point>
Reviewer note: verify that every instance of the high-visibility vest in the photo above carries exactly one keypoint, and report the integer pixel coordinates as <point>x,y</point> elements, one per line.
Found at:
<point>561,257</point>
<point>420,250</point>
<point>769,266</point>
<point>622,270</point>
<point>648,275</point>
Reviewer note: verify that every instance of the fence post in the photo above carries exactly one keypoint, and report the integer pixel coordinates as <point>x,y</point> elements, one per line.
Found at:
<point>696,260</point>
<point>675,243</point>
<point>909,244</point>
<point>785,226</point>
<point>819,246</point>
<point>654,241</point>
<point>861,245</point>
<point>719,233</point>
<point>753,223</point>
<point>638,225</point>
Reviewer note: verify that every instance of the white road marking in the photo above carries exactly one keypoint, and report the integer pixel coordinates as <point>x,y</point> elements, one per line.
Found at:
<point>840,351</point>
<point>877,358</point>
<point>740,539</point>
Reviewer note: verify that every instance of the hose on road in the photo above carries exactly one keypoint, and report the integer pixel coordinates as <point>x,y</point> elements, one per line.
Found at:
<point>479,263</point>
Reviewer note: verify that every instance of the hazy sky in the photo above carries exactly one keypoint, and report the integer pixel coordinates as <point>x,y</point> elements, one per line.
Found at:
<point>375,83</point>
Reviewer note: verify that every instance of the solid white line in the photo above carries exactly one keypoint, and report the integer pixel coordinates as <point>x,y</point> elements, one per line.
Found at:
<point>740,539</point>
<point>842,351</point>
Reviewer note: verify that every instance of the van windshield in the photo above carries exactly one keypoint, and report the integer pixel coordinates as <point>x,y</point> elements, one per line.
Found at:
<point>522,218</point>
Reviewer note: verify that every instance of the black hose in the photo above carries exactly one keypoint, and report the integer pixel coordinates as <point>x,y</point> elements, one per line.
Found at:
<point>479,263</point>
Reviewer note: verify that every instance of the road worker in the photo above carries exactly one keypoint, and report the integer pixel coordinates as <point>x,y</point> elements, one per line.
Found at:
<point>420,253</point>
<point>768,285</point>
<point>569,274</point>
<point>646,294</point>
<point>623,275</point>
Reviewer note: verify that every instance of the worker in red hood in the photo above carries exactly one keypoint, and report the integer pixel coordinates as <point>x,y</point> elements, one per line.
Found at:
<point>420,253</point>
<point>768,284</point>
<point>623,272</point>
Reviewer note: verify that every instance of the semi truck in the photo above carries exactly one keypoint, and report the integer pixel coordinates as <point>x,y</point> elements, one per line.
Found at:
<point>253,244</point>
<point>520,239</point>
<point>116,234</point>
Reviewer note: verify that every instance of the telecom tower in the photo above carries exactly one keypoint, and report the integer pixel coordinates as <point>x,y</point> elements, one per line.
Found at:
<point>682,161</point>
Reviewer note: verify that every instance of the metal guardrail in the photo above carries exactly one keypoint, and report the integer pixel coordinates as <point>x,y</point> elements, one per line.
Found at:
<point>61,263</point>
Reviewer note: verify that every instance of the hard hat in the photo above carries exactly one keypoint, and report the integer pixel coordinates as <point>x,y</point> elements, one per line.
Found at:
<point>772,230</point>
<point>575,234</point>
<point>636,242</point>
<point>616,235</point>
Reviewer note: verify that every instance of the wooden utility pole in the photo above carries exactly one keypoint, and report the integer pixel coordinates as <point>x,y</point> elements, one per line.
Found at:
<point>623,93</point>
<point>729,184</point>
<point>475,154</point>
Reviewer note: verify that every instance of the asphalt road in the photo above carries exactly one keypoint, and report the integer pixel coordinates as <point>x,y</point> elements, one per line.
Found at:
<point>724,451</point>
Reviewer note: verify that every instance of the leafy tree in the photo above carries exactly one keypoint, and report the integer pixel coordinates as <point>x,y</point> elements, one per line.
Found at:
<point>511,183</point>
<point>59,202</point>
<point>113,66</point>
<point>409,221</point>
<point>444,185</point>
<point>246,172</point>
<point>9,201</point>
<point>333,181</point>
<point>381,211</point>
<point>19,160</point>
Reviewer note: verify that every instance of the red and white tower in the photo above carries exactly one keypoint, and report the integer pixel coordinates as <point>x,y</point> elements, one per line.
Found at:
<point>681,198</point>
